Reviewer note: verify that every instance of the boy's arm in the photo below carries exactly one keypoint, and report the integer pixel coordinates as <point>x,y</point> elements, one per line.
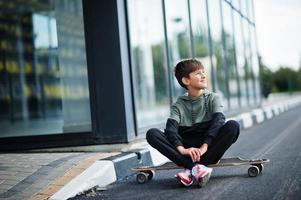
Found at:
<point>171,132</point>
<point>218,119</point>
<point>172,135</point>
<point>172,126</point>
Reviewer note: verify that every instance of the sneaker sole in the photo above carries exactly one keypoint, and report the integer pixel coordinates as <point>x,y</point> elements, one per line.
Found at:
<point>185,184</point>
<point>203,181</point>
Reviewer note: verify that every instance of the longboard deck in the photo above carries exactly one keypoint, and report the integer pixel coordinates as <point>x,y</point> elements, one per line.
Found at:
<point>235,161</point>
<point>146,173</point>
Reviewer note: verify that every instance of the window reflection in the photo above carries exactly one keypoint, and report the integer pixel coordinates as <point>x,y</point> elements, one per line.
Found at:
<point>230,55</point>
<point>240,58</point>
<point>248,67</point>
<point>177,20</point>
<point>200,35</point>
<point>235,4</point>
<point>217,47</point>
<point>255,64</point>
<point>250,10</point>
<point>43,75</point>
<point>148,61</point>
<point>44,28</point>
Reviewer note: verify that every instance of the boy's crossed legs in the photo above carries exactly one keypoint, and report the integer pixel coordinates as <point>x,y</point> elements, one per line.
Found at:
<point>227,135</point>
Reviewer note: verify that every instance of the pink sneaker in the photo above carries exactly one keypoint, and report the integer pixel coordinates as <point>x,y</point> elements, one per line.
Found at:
<point>201,174</point>
<point>185,177</point>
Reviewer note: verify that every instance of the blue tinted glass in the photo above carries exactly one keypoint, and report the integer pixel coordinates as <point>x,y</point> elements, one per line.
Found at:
<point>43,70</point>
<point>148,60</point>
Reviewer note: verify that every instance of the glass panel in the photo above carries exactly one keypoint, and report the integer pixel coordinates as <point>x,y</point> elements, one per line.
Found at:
<point>248,60</point>
<point>250,10</point>
<point>244,7</point>
<point>200,35</point>
<point>43,70</point>
<point>230,55</point>
<point>240,58</point>
<point>255,64</point>
<point>177,22</point>
<point>235,4</point>
<point>217,47</point>
<point>150,80</point>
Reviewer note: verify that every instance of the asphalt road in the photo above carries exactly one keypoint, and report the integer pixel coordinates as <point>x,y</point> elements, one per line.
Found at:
<point>277,139</point>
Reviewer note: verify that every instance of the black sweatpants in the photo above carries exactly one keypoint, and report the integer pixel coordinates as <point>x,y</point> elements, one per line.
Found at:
<point>227,135</point>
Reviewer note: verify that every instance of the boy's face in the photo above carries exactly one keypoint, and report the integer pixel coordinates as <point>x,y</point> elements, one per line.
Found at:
<point>196,80</point>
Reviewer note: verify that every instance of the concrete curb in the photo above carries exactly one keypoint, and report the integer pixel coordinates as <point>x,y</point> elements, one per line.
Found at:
<point>100,173</point>
<point>105,172</point>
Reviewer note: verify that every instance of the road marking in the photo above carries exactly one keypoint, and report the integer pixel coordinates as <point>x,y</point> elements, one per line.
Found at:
<point>234,182</point>
<point>266,149</point>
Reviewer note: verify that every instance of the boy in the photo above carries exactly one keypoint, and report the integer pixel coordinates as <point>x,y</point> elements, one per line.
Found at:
<point>196,133</point>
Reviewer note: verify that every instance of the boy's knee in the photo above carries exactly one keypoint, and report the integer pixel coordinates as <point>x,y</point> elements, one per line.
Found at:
<point>233,125</point>
<point>233,129</point>
<point>151,134</point>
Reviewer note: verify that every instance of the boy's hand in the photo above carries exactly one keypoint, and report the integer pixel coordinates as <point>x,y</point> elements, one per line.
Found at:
<point>203,148</point>
<point>193,153</point>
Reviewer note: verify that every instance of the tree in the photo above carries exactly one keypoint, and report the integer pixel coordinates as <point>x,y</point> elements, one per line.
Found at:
<point>286,79</point>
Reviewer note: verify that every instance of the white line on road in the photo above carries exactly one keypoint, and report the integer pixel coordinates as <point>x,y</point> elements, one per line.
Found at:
<point>233,183</point>
<point>266,149</point>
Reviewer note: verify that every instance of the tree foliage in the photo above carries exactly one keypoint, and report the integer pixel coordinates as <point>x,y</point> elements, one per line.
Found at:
<point>285,79</point>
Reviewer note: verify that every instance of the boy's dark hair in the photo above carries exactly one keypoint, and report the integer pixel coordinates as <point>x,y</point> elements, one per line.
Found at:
<point>185,67</point>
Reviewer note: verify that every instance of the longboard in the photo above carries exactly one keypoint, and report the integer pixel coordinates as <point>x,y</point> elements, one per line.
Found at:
<point>146,173</point>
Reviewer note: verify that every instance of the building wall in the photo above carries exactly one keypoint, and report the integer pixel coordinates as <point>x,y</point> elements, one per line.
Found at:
<point>103,70</point>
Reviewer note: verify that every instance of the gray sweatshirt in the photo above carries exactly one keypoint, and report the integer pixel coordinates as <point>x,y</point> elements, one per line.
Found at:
<point>188,111</point>
<point>191,110</point>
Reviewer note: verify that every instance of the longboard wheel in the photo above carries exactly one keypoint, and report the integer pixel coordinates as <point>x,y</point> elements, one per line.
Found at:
<point>253,171</point>
<point>142,177</point>
<point>260,167</point>
<point>151,174</point>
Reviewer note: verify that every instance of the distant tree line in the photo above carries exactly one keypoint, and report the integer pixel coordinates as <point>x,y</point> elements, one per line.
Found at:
<point>285,79</point>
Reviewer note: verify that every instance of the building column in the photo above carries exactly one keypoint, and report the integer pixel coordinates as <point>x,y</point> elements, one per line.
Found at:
<point>109,71</point>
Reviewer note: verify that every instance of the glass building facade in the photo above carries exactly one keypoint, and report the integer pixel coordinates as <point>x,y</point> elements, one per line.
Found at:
<point>43,74</point>
<point>76,72</point>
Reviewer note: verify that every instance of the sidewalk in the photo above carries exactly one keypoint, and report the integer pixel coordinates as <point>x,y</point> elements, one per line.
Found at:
<point>52,175</point>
